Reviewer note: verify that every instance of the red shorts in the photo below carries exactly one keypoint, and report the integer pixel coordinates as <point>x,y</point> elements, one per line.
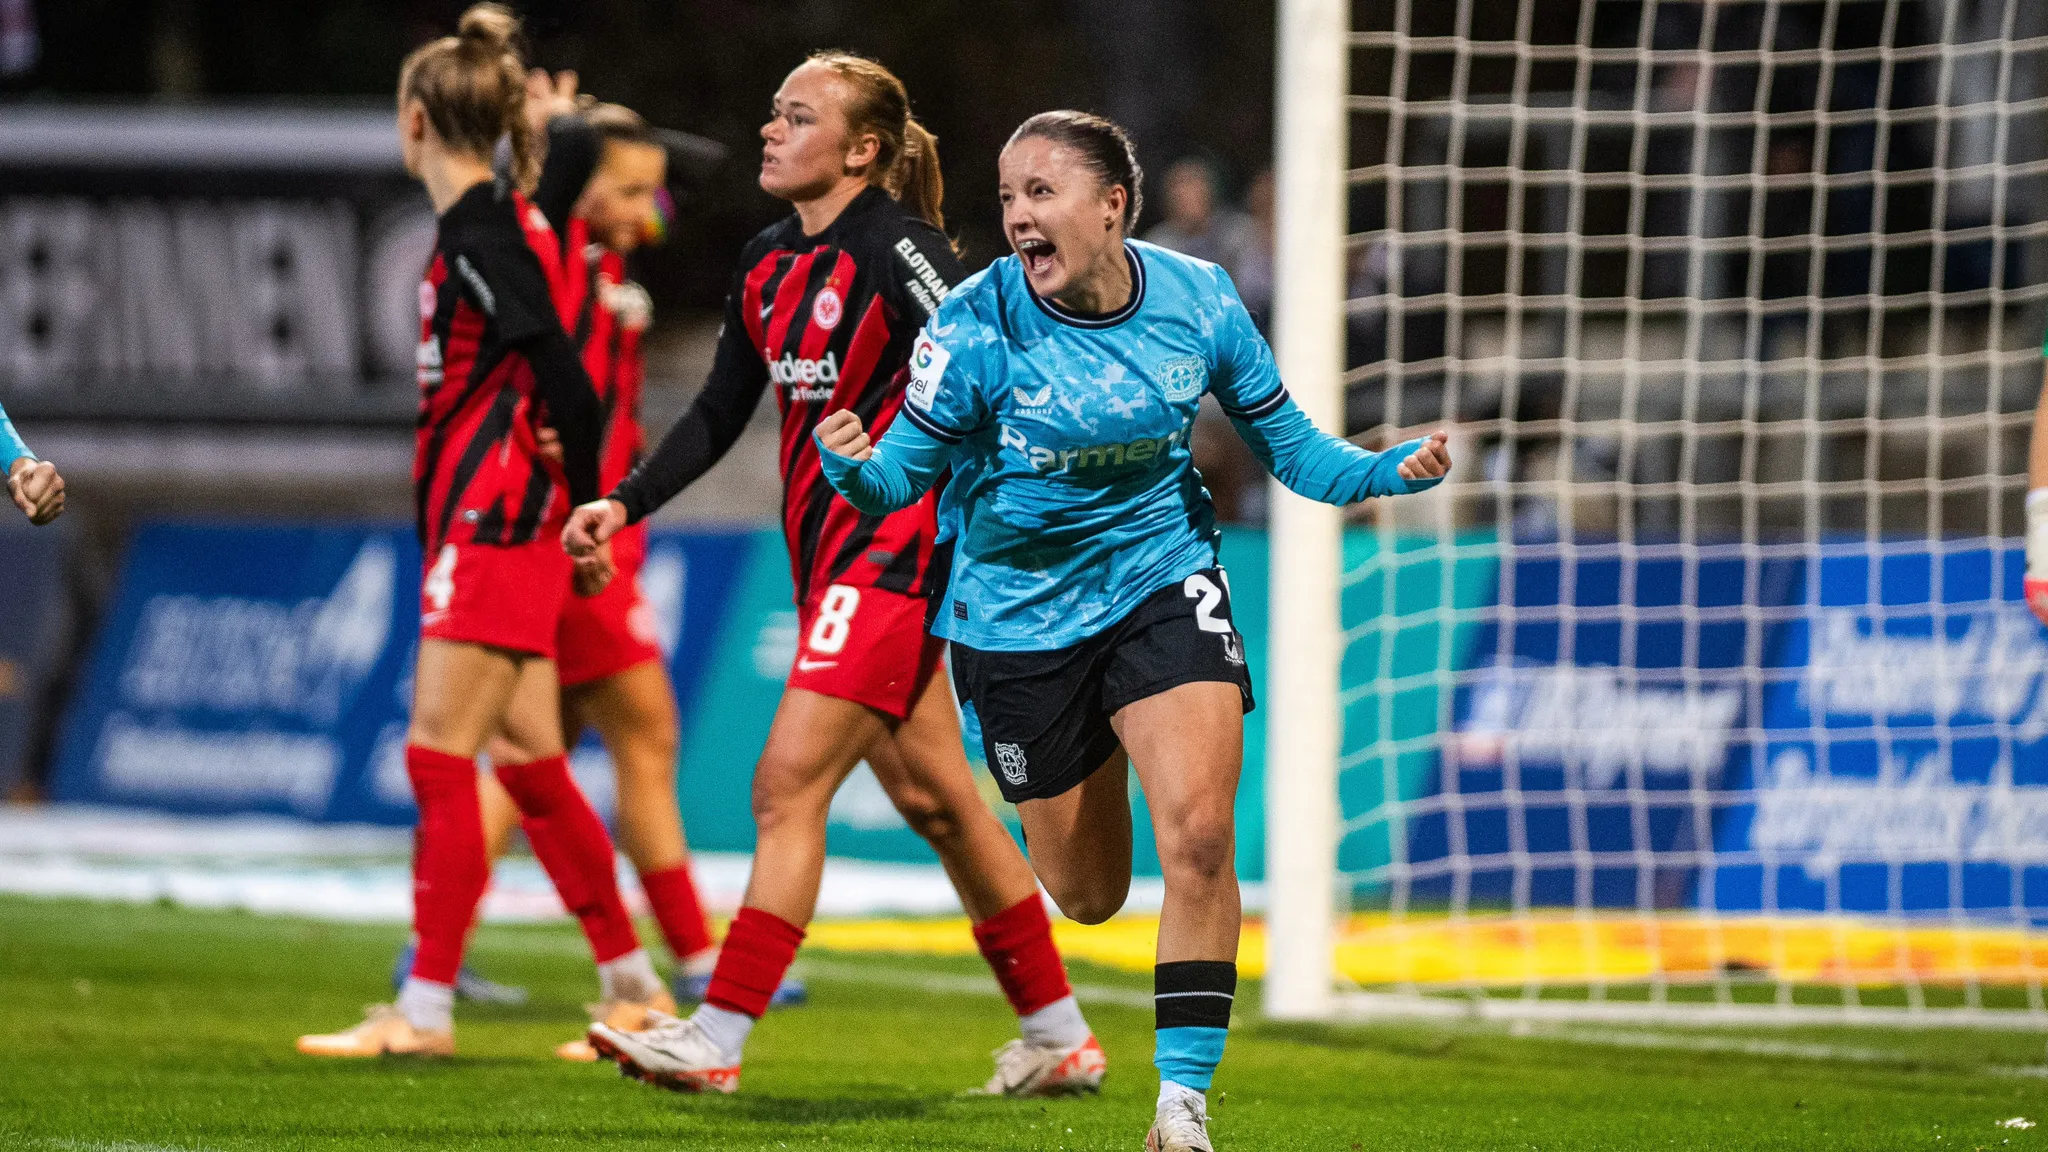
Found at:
<point>867,645</point>
<point>605,634</point>
<point>488,594</point>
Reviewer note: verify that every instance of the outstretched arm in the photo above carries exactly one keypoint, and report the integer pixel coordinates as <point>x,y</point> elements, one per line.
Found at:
<point>1310,461</point>
<point>1315,464</point>
<point>879,478</point>
<point>698,440</point>
<point>701,438</point>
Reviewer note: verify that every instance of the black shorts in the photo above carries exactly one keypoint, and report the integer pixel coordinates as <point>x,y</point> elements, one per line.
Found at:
<point>1045,715</point>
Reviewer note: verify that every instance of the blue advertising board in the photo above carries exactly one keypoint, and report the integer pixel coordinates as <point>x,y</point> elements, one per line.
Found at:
<point>1903,759</point>
<point>1843,729</point>
<point>242,669</point>
<point>1605,694</point>
<point>267,669</point>
<point>34,609</point>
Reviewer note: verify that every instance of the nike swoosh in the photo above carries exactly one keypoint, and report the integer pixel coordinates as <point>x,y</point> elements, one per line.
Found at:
<point>806,664</point>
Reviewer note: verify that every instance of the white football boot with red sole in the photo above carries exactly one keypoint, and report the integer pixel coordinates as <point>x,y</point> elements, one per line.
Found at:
<point>1024,1069</point>
<point>671,1053</point>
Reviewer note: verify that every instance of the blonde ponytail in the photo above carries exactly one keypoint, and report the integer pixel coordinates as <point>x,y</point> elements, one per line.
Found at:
<point>473,86</point>
<point>914,180</point>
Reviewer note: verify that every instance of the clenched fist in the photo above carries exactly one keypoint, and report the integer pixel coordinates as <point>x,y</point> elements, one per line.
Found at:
<point>591,525</point>
<point>36,488</point>
<point>1430,461</point>
<point>842,433</point>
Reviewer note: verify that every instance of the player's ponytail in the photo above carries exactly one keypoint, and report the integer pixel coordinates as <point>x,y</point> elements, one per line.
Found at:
<point>914,179</point>
<point>473,86</point>
<point>907,162</point>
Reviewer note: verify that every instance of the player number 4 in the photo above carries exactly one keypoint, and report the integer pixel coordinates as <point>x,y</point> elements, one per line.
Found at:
<point>440,584</point>
<point>835,619</point>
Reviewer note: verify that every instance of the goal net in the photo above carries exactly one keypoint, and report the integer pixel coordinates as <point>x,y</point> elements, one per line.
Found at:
<point>1704,690</point>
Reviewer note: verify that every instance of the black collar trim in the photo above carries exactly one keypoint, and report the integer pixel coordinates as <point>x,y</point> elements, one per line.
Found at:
<point>1108,319</point>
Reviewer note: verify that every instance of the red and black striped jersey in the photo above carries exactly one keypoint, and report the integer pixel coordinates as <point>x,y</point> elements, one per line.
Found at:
<point>607,315</point>
<point>490,369</point>
<point>828,320</point>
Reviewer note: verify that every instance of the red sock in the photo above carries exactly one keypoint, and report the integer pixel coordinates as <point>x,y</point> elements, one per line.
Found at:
<point>575,850</point>
<point>757,951</point>
<point>1017,943</point>
<point>672,894</point>
<point>450,868</point>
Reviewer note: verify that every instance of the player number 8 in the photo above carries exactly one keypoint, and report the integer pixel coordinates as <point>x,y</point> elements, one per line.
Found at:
<point>835,619</point>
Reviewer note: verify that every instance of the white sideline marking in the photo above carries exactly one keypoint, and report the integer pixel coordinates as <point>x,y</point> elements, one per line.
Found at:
<point>1781,1049</point>
<point>279,866</point>
<point>960,983</point>
<point>934,983</point>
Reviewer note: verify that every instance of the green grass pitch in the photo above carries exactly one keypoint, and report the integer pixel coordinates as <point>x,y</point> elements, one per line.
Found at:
<point>145,1029</point>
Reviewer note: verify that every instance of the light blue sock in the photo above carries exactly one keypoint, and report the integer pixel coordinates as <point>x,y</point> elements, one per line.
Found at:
<point>1188,1056</point>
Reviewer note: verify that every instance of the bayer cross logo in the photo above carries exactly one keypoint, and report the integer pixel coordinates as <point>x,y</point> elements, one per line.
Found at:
<point>1182,378</point>
<point>1010,758</point>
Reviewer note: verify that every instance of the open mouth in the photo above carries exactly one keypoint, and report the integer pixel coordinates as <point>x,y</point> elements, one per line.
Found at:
<point>1037,253</point>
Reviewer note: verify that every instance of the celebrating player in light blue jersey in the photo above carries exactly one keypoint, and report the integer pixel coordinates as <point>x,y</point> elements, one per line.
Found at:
<point>33,484</point>
<point>1088,617</point>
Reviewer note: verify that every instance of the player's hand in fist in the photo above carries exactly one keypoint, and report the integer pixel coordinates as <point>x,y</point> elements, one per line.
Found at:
<point>36,489</point>
<point>2037,553</point>
<point>591,525</point>
<point>842,433</point>
<point>1430,461</point>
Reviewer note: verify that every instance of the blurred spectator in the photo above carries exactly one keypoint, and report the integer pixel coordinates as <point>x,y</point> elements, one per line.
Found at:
<point>1254,275</point>
<point>1194,223</point>
<point>19,45</point>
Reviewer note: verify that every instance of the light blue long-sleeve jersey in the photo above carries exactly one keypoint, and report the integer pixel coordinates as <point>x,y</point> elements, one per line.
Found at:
<point>1074,494</point>
<point>12,447</point>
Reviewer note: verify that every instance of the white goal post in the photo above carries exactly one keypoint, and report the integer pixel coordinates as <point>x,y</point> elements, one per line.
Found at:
<point>1304,728</point>
<point>1703,692</point>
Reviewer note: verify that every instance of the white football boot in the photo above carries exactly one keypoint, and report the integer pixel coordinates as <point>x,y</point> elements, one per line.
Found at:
<point>1182,1125</point>
<point>1025,1069</point>
<point>671,1052</point>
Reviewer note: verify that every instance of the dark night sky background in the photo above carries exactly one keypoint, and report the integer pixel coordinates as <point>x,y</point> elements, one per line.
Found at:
<point>1185,76</point>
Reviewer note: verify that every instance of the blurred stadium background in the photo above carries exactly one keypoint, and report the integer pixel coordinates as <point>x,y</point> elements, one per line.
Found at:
<point>210,266</point>
<point>1704,690</point>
